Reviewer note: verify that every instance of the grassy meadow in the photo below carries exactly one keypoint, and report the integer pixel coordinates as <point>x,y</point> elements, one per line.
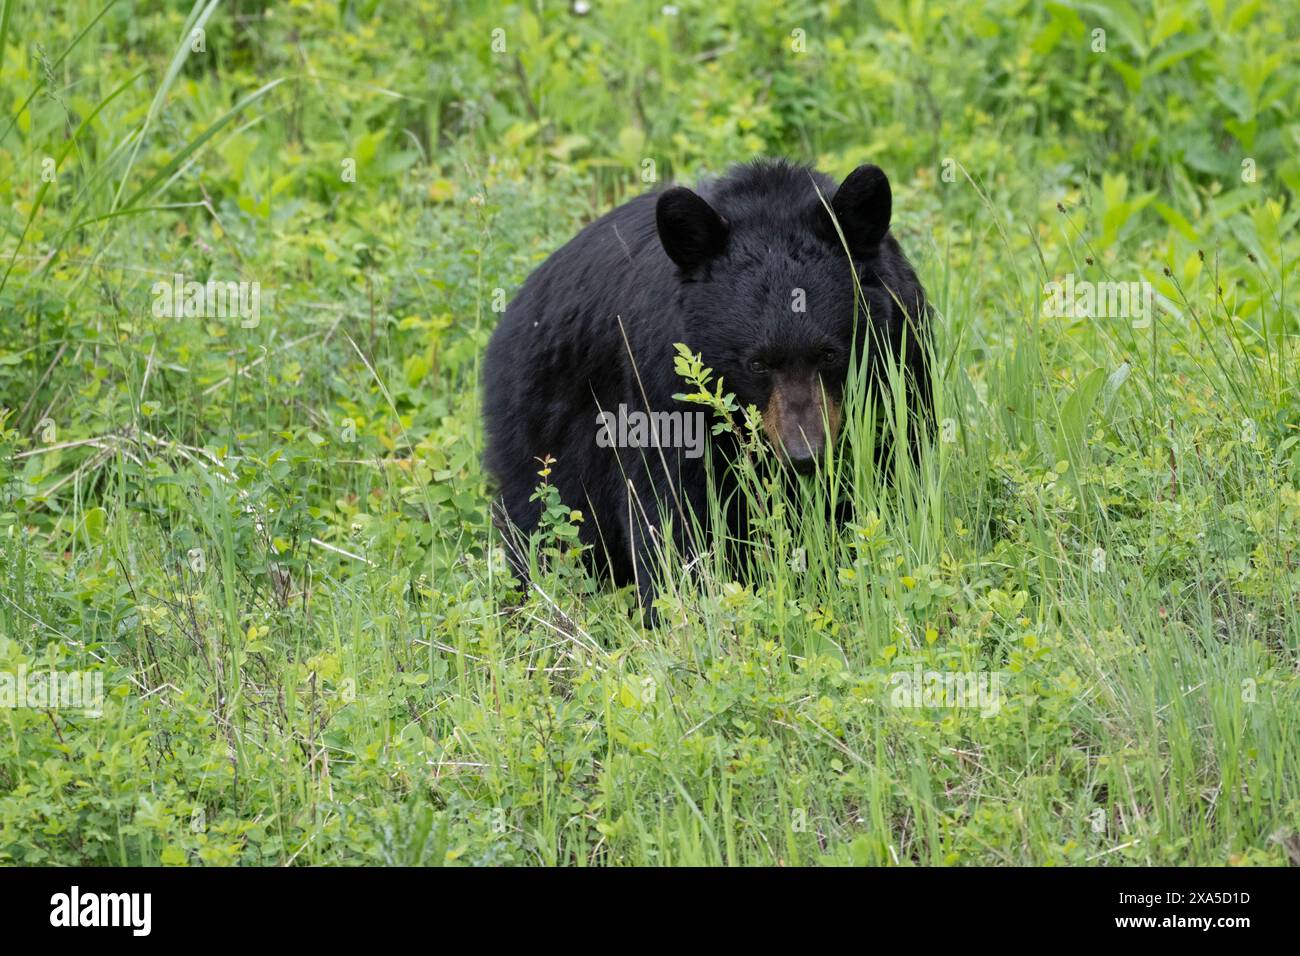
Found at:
<point>267,531</point>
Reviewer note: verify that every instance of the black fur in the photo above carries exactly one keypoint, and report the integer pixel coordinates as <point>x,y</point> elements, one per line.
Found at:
<point>714,269</point>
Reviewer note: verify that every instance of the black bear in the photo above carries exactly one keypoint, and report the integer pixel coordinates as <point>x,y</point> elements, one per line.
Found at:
<point>752,273</point>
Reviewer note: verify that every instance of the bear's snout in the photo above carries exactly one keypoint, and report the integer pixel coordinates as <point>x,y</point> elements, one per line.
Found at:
<point>797,418</point>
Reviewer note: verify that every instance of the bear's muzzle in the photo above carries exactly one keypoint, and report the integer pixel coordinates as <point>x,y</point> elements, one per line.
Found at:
<point>798,419</point>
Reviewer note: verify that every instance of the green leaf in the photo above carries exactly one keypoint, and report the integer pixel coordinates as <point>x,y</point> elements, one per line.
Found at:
<point>94,524</point>
<point>1113,383</point>
<point>1071,435</point>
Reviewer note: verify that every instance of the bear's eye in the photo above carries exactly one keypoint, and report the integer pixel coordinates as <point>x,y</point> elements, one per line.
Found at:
<point>758,366</point>
<point>829,356</point>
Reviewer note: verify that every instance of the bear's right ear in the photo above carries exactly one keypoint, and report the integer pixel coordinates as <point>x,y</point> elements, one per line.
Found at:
<point>690,229</point>
<point>863,205</point>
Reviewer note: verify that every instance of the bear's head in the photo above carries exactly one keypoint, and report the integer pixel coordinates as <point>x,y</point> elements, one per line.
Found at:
<point>766,265</point>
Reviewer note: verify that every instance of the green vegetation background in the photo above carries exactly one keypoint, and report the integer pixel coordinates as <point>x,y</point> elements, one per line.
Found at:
<point>273,540</point>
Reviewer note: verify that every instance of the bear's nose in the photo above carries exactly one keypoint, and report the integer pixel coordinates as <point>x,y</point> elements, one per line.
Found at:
<point>794,421</point>
<point>802,440</point>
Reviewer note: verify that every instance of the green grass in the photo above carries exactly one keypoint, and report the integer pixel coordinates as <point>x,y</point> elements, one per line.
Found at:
<point>273,542</point>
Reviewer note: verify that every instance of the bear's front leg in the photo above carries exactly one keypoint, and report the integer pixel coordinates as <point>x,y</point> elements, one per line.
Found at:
<point>645,561</point>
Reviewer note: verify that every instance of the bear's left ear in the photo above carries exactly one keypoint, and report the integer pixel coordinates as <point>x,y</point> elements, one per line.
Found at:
<point>690,229</point>
<point>863,205</point>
